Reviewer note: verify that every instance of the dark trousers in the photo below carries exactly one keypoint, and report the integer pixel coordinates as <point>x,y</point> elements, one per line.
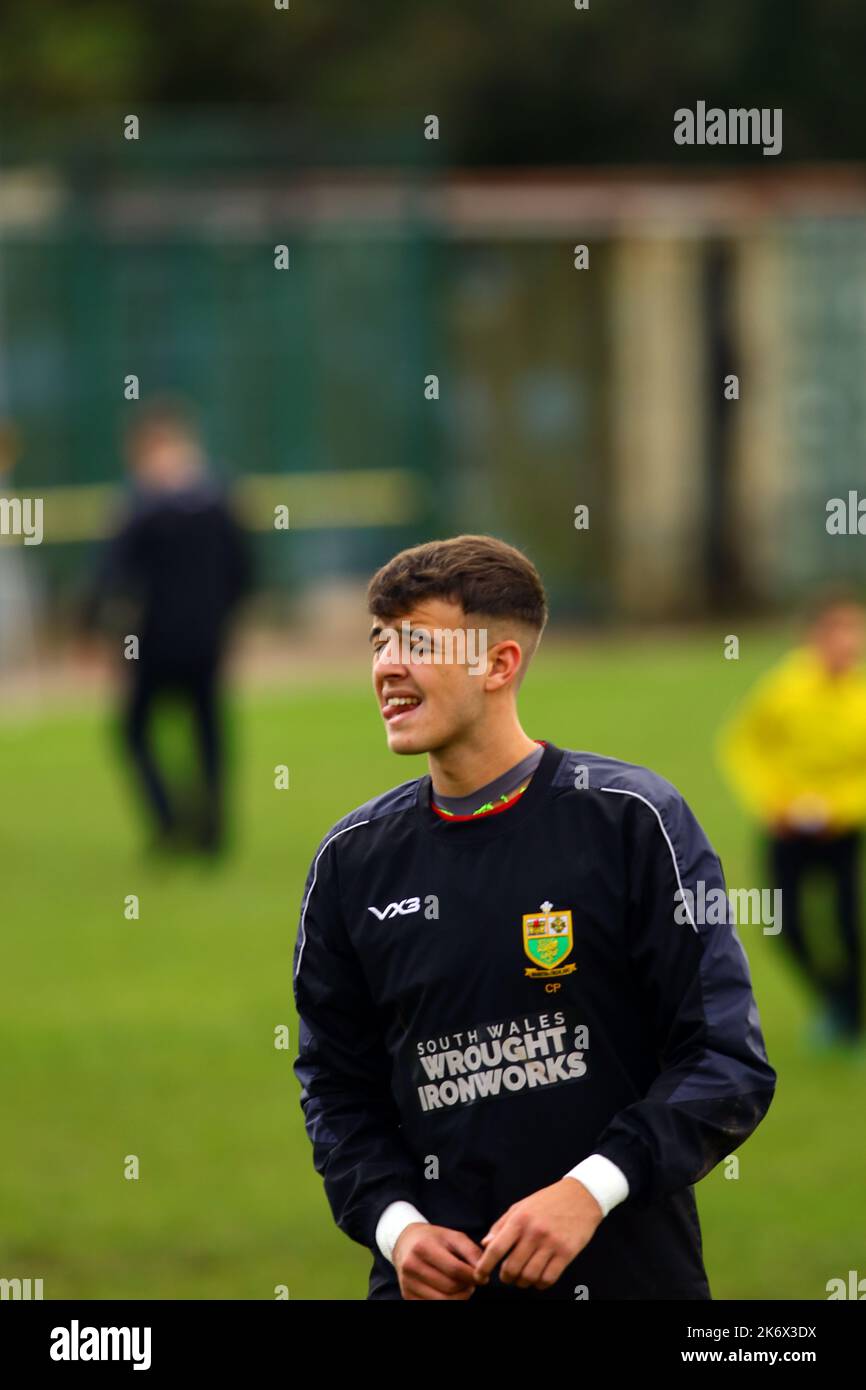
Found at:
<point>198,689</point>
<point>793,858</point>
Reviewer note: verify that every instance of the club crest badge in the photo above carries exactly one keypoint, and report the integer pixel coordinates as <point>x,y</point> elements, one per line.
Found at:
<point>547,940</point>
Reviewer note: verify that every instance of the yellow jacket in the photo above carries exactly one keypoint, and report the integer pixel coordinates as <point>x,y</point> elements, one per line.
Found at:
<point>796,748</point>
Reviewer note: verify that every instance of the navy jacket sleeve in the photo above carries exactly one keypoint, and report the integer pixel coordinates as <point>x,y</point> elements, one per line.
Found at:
<point>715,1083</point>
<point>237,566</point>
<point>115,573</point>
<point>343,1066</point>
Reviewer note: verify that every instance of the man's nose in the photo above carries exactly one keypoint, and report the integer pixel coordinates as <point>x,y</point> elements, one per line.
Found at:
<point>392,671</point>
<point>390,663</point>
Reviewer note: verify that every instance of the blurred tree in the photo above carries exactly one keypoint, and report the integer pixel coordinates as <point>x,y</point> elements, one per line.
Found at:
<point>512,83</point>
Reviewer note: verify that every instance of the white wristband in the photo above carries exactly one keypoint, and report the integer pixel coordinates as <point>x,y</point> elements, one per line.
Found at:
<point>393,1222</point>
<point>607,1183</point>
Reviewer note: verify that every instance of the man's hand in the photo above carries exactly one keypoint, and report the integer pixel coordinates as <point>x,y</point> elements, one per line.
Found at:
<point>435,1262</point>
<point>540,1235</point>
<point>805,815</point>
<point>89,651</point>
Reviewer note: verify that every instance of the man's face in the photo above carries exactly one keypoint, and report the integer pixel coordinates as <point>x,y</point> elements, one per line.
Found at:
<point>839,637</point>
<point>163,457</point>
<point>434,658</point>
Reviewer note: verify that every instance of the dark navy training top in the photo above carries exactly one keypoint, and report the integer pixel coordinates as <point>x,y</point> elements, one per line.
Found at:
<point>485,1003</point>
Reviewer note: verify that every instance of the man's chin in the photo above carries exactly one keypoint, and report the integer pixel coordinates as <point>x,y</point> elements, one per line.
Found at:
<point>406,742</point>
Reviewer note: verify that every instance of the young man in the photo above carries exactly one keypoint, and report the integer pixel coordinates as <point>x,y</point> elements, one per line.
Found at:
<point>515,1058</point>
<point>795,753</point>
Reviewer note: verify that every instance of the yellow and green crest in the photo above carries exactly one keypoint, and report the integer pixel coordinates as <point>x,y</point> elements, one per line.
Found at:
<point>547,940</point>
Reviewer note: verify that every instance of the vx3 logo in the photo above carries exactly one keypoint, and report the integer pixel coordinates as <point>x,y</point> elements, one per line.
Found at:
<point>408,906</point>
<point>394,909</point>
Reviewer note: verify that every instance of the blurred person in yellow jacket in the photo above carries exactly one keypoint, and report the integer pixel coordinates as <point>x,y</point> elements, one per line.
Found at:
<point>795,752</point>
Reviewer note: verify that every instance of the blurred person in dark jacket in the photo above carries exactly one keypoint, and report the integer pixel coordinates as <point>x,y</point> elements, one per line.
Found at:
<point>179,561</point>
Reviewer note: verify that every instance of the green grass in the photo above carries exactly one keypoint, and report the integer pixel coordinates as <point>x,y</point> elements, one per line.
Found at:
<point>155,1037</point>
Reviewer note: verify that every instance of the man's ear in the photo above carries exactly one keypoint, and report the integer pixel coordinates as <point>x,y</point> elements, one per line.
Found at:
<point>508,657</point>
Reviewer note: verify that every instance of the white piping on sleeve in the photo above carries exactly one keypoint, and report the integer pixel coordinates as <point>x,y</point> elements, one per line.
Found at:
<point>621,791</point>
<point>303,933</point>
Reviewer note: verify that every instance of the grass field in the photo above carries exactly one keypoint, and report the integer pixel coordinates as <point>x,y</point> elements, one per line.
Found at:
<point>155,1037</point>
